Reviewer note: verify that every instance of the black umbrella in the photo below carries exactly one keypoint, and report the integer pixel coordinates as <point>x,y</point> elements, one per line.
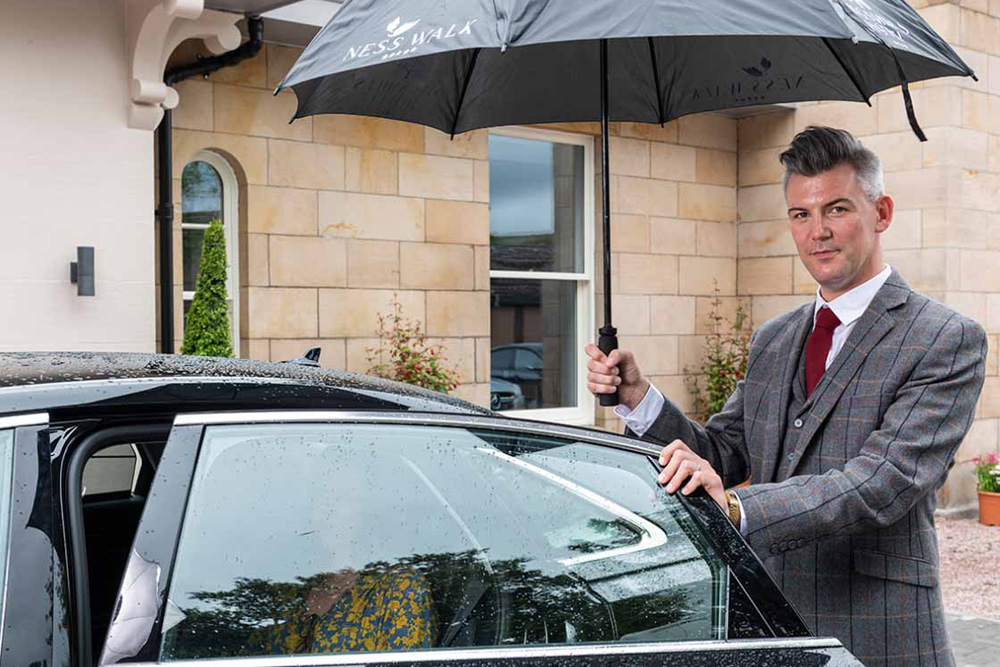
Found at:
<point>470,64</point>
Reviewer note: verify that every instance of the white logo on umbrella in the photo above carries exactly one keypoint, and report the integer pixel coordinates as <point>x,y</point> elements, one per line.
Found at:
<point>395,29</point>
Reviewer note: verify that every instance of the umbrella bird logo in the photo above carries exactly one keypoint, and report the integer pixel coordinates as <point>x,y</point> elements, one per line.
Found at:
<point>765,65</point>
<point>395,29</point>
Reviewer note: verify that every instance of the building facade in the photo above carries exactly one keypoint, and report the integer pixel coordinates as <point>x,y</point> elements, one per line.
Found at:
<point>491,239</point>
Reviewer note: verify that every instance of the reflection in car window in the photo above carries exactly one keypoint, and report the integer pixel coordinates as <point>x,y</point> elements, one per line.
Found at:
<point>357,538</point>
<point>6,489</point>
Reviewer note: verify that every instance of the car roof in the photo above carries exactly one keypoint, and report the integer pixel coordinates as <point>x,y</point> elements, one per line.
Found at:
<point>37,381</point>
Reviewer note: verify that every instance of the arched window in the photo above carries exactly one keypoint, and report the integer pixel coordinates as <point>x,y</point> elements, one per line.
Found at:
<point>209,191</point>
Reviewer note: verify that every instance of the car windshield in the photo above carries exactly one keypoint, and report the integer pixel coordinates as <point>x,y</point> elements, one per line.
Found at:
<point>506,539</point>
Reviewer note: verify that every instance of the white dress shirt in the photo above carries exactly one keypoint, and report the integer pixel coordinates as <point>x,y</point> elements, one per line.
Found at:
<point>848,307</point>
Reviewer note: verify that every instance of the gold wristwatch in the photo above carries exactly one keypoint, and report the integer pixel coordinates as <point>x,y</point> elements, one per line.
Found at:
<point>733,504</point>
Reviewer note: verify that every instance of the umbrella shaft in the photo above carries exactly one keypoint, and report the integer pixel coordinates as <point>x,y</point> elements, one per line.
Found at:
<point>606,173</point>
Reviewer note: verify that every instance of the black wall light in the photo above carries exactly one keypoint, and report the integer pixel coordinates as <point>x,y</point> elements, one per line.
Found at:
<point>81,271</point>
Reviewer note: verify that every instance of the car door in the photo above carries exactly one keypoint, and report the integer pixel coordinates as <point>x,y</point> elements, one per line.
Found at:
<point>376,538</point>
<point>31,618</point>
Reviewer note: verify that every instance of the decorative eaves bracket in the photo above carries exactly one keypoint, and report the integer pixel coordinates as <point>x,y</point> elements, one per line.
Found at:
<point>155,28</point>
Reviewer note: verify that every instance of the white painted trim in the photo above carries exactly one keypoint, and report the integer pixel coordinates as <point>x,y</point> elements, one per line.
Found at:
<point>540,275</point>
<point>154,28</point>
<point>583,413</point>
<point>36,419</point>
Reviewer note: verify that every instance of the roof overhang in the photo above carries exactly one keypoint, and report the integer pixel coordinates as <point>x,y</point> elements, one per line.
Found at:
<point>247,6</point>
<point>292,22</point>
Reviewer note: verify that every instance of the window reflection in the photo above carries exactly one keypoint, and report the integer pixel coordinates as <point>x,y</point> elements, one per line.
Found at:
<point>536,205</point>
<point>533,361</point>
<point>201,203</point>
<point>359,538</point>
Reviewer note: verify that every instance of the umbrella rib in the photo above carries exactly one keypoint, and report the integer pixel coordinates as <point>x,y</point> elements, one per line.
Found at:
<point>849,73</point>
<point>656,80</point>
<point>903,81</point>
<point>465,87</point>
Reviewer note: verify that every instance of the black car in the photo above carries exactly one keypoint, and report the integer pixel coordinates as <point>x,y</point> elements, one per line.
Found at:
<point>159,509</point>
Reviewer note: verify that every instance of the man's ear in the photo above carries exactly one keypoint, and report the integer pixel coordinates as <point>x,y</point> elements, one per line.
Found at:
<point>884,208</point>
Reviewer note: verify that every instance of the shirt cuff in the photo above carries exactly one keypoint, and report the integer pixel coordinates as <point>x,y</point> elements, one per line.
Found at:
<point>642,418</point>
<point>743,516</point>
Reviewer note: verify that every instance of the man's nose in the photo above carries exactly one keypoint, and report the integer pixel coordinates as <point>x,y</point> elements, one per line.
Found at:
<point>819,230</point>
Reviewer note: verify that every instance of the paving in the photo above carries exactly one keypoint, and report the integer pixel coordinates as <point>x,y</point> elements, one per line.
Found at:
<point>974,641</point>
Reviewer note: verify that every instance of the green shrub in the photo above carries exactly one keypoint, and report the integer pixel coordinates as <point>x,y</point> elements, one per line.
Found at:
<point>206,326</point>
<point>410,358</point>
<point>724,363</point>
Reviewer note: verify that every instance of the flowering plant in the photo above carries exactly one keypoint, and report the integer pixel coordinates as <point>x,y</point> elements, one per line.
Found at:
<point>410,358</point>
<point>987,473</point>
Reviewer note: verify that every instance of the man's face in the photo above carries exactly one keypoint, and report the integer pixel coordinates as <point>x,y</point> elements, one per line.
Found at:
<point>836,228</point>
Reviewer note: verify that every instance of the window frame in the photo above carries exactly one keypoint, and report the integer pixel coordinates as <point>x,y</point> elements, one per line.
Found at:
<point>230,224</point>
<point>583,413</point>
<point>171,492</point>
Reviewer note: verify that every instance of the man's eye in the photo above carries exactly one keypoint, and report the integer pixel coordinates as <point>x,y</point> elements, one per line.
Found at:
<point>838,209</point>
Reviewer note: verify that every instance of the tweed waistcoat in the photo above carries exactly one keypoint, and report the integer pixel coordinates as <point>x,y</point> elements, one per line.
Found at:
<point>798,414</point>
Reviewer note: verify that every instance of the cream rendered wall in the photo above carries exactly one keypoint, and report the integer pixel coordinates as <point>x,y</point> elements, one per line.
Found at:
<point>71,173</point>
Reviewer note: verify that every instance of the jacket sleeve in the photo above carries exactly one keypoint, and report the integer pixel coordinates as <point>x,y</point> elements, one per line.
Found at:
<point>721,441</point>
<point>902,461</point>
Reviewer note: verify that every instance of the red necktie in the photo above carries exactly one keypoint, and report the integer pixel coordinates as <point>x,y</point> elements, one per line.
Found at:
<point>818,347</point>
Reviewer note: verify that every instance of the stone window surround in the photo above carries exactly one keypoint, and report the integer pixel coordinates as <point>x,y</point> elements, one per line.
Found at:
<point>586,297</point>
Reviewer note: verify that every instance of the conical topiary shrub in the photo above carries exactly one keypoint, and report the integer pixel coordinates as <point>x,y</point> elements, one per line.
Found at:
<point>206,326</point>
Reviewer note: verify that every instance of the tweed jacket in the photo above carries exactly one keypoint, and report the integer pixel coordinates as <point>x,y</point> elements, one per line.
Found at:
<point>844,521</point>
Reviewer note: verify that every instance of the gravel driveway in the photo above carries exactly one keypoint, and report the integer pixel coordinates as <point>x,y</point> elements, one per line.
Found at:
<point>970,576</point>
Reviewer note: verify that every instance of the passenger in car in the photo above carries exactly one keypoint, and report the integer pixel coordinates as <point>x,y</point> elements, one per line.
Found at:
<point>348,611</point>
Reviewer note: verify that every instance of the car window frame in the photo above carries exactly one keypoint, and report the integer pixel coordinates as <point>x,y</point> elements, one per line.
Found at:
<point>71,502</point>
<point>178,467</point>
<point>30,634</point>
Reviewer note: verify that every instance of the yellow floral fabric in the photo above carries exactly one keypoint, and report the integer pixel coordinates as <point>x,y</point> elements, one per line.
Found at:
<point>387,611</point>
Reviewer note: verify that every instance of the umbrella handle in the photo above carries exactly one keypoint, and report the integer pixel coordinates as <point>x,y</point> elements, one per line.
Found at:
<point>608,341</point>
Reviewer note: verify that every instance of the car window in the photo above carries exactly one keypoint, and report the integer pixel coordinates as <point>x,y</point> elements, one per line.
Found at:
<point>6,488</point>
<point>502,358</point>
<point>528,359</point>
<point>356,538</point>
<point>111,470</point>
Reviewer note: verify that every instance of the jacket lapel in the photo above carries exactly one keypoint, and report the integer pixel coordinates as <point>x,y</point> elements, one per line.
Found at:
<point>871,328</point>
<point>788,343</point>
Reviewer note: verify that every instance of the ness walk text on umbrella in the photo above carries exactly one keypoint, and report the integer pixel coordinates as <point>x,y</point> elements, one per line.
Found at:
<point>393,45</point>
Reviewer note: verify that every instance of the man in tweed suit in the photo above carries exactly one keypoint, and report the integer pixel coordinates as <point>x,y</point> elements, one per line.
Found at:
<point>846,423</point>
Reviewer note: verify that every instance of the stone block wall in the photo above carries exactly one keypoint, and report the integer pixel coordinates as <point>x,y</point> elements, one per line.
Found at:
<point>339,215</point>
<point>343,212</point>
<point>945,239</point>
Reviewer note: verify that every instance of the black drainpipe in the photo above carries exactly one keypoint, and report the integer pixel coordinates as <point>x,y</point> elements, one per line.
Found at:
<point>164,147</point>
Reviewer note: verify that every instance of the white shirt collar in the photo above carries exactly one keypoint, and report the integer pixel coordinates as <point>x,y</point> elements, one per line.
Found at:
<point>851,305</point>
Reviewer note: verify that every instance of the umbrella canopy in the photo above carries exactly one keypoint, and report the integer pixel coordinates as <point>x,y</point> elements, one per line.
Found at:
<point>460,65</point>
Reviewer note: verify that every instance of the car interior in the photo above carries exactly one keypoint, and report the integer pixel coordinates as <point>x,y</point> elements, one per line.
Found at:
<point>116,482</point>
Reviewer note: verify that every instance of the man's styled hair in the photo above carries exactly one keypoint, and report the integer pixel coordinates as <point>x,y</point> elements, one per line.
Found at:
<point>818,149</point>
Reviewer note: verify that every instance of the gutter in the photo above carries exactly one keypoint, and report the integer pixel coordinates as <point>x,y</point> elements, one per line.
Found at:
<point>164,147</point>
